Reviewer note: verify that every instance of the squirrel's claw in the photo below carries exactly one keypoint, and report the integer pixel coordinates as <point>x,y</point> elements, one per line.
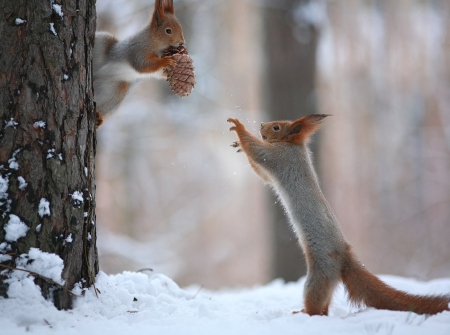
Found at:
<point>235,121</point>
<point>236,144</point>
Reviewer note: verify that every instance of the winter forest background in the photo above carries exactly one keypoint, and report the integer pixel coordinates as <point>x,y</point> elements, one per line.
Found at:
<point>174,196</point>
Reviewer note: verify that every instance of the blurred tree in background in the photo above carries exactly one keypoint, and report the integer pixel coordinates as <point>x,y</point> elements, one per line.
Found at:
<point>384,71</point>
<point>172,194</point>
<point>291,37</point>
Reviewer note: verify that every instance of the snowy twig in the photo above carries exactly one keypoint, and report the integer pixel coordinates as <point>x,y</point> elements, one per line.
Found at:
<point>196,294</point>
<point>144,269</point>
<point>35,274</point>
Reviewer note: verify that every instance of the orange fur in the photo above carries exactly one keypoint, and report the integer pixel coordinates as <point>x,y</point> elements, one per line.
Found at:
<point>154,63</point>
<point>298,131</point>
<point>365,288</point>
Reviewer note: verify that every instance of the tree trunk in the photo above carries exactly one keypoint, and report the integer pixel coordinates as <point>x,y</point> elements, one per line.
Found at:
<point>291,62</point>
<point>47,138</point>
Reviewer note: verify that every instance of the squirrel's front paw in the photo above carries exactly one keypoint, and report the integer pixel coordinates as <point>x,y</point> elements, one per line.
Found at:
<point>168,62</point>
<point>237,124</point>
<point>236,144</point>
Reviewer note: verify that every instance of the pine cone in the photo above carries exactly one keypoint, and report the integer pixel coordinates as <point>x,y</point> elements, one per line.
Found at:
<point>181,78</point>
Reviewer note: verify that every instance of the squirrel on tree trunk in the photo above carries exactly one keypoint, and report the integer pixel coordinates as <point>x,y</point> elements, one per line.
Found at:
<point>120,64</point>
<point>283,160</point>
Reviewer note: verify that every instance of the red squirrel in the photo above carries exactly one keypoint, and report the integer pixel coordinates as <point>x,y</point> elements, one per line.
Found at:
<point>119,64</point>
<point>283,160</point>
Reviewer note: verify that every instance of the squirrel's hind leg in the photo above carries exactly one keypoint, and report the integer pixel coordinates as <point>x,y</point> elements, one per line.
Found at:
<point>318,294</point>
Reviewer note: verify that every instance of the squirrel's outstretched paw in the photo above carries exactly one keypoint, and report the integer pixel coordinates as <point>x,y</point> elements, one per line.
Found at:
<point>237,124</point>
<point>236,144</point>
<point>235,121</point>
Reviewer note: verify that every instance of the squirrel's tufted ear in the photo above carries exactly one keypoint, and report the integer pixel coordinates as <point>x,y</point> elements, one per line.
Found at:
<point>302,129</point>
<point>168,6</point>
<point>158,13</point>
<point>162,7</point>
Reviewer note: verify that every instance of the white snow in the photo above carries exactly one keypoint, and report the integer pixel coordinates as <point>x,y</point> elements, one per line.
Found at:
<point>38,228</point>
<point>4,181</point>
<point>22,183</point>
<point>4,247</point>
<point>12,161</point>
<point>13,164</point>
<point>39,124</point>
<point>11,123</point>
<point>69,238</point>
<point>18,21</point>
<point>137,303</point>
<point>15,228</point>
<point>77,196</point>
<point>44,207</point>
<point>4,258</point>
<point>58,10</point>
<point>66,76</point>
<point>50,153</point>
<point>43,263</point>
<point>52,29</point>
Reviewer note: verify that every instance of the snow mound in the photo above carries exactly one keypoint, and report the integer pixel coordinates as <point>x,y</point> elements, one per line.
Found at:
<point>138,303</point>
<point>15,228</point>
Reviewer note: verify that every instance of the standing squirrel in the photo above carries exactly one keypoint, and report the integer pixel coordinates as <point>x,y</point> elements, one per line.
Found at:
<point>283,160</point>
<point>120,64</point>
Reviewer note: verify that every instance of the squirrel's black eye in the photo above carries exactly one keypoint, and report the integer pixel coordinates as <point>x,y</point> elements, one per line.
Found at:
<point>276,128</point>
<point>169,31</point>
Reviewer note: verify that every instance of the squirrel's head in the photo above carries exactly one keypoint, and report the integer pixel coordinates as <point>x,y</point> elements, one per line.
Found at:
<point>298,131</point>
<point>165,28</point>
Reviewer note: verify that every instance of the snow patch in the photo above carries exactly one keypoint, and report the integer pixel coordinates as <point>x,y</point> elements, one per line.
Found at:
<point>15,228</point>
<point>12,161</point>
<point>39,124</point>
<point>18,21</point>
<point>44,207</point>
<point>58,10</point>
<point>77,197</point>
<point>69,238</point>
<point>66,76</point>
<point>11,123</point>
<point>5,258</point>
<point>52,29</point>
<point>4,247</point>
<point>43,263</point>
<point>38,228</point>
<point>50,153</point>
<point>3,187</point>
<point>22,183</point>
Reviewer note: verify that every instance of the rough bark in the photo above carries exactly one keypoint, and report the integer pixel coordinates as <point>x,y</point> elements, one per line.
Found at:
<point>47,134</point>
<point>289,94</point>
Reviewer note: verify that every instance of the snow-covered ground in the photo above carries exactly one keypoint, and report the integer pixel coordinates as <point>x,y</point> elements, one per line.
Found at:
<point>139,303</point>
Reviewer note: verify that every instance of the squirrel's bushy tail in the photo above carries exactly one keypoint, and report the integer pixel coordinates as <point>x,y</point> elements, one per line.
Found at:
<point>365,288</point>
